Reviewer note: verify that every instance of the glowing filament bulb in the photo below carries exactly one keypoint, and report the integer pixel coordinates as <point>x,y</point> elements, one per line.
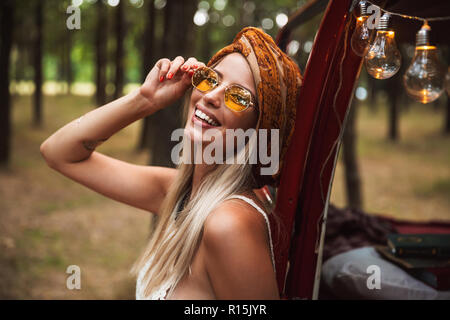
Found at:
<point>362,35</point>
<point>383,59</point>
<point>424,78</point>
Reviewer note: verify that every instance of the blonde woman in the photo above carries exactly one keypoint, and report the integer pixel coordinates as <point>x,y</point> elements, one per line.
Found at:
<point>212,238</point>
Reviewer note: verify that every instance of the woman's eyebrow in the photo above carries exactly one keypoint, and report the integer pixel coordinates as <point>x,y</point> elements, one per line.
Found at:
<point>221,77</point>
<point>218,72</point>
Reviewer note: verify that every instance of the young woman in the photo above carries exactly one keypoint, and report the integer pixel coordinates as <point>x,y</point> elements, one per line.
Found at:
<point>212,237</point>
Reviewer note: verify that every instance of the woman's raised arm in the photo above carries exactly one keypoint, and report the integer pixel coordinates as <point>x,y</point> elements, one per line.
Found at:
<point>70,150</point>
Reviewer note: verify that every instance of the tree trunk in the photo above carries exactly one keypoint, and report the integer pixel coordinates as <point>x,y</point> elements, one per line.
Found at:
<point>168,15</point>
<point>148,62</point>
<point>177,16</point>
<point>68,61</point>
<point>204,43</point>
<point>150,49</point>
<point>392,88</point>
<point>393,119</point>
<point>21,61</point>
<point>6,27</point>
<point>446,130</point>
<point>159,124</point>
<point>61,71</point>
<point>64,63</point>
<point>37,99</point>
<point>100,45</point>
<point>447,117</point>
<point>372,94</point>
<point>351,168</point>
<point>120,35</point>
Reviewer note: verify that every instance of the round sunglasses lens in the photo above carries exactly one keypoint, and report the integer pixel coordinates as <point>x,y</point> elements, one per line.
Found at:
<point>204,79</point>
<point>237,98</point>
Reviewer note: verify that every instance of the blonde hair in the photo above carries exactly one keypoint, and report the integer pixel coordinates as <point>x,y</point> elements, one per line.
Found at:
<point>173,242</point>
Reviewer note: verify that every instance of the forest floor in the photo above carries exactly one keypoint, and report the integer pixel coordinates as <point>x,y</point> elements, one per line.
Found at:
<point>408,179</point>
<point>48,222</point>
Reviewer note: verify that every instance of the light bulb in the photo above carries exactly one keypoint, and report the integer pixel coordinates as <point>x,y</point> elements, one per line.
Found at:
<point>383,58</point>
<point>424,78</point>
<point>362,35</point>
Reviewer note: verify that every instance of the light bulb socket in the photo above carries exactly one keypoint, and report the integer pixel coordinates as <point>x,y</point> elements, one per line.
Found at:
<point>384,22</point>
<point>423,35</point>
<point>363,8</point>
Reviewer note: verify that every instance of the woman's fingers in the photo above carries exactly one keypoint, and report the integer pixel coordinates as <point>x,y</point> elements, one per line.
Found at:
<point>164,66</point>
<point>164,93</point>
<point>190,65</point>
<point>168,69</point>
<point>174,66</point>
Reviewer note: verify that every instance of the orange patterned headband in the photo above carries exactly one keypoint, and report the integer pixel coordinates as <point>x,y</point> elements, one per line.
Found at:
<point>277,79</point>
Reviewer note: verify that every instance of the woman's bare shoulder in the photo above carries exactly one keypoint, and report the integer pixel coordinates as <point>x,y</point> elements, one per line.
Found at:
<point>236,254</point>
<point>231,215</point>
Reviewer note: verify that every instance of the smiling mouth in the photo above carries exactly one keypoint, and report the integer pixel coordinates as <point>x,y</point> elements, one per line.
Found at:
<point>203,117</point>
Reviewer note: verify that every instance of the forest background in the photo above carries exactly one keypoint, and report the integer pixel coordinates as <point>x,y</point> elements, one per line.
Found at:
<point>394,161</point>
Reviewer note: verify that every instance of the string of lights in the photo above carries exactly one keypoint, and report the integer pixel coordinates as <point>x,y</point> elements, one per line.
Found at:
<point>425,79</point>
<point>413,17</point>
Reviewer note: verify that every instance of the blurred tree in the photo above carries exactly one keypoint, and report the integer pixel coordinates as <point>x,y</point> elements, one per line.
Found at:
<point>447,108</point>
<point>65,72</point>
<point>21,63</point>
<point>351,168</point>
<point>397,101</point>
<point>372,92</point>
<point>447,116</point>
<point>119,59</point>
<point>393,87</point>
<point>101,58</point>
<point>37,63</point>
<point>6,39</point>
<point>148,60</point>
<point>149,40</point>
<point>67,61</point>
<point>177,16</point>
<point>203,52</point>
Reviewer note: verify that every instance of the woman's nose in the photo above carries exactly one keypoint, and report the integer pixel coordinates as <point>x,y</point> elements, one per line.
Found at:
<point>214,97</point>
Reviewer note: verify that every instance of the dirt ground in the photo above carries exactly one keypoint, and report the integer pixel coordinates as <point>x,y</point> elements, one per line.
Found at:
<point>48,222</point>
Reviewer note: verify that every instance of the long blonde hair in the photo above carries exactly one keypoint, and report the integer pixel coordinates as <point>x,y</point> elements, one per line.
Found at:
<point>173,242</point>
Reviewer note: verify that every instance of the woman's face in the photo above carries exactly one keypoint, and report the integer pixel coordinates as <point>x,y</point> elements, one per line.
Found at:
<point>232,69</point>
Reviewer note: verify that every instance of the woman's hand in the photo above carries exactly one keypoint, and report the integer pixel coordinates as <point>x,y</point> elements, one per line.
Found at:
<point>168,81</point>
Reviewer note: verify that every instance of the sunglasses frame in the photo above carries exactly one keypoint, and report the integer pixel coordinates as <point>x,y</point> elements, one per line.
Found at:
<point>252,98</point>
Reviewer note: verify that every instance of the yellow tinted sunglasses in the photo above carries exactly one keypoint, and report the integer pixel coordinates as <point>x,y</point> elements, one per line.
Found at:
<point>237,98</point>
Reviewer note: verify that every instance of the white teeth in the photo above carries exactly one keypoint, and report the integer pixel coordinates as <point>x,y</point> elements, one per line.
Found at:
<point>203,116</point>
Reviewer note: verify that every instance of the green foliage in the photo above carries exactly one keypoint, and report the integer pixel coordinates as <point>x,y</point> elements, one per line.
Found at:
<point>61,43</point>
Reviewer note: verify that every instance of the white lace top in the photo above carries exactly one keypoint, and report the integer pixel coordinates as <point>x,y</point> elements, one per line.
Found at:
<point>161,292</point>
